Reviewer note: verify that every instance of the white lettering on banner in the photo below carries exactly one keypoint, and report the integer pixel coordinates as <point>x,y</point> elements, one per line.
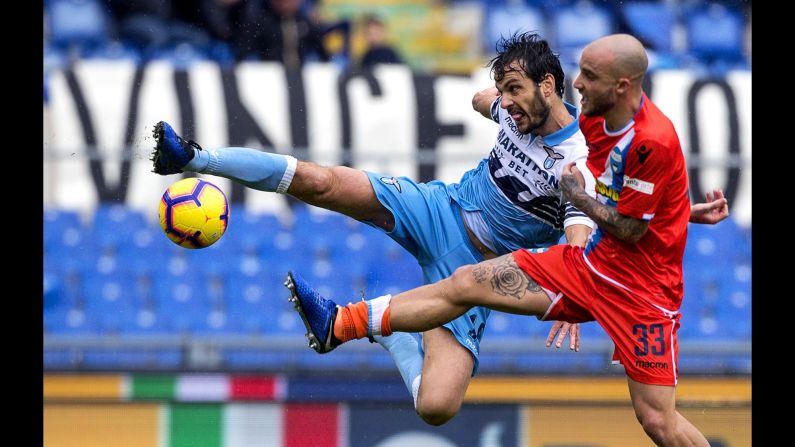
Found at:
<point>385,126</point>
<point>382,126</point>
<point>639,185</point>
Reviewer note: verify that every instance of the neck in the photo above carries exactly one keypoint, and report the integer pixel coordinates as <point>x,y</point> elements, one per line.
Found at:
<point>559,117</point>
<point>623,112</point>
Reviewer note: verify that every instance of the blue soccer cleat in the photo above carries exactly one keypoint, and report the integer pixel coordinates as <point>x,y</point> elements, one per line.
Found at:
<point>316,312</point>
<point>171,151</point>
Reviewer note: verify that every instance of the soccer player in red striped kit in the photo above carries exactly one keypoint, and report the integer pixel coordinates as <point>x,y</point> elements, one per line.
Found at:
<point>629,276</point>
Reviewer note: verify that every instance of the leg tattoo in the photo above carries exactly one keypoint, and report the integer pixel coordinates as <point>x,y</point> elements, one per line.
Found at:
<point>506,277</point>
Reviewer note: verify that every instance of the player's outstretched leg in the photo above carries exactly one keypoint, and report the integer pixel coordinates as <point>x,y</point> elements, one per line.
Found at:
<point>316,312</point>
<point>171,152</point>
<point>256,169</point>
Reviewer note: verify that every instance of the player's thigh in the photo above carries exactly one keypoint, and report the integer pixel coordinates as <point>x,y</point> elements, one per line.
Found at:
<point>499,284</point>
<point>652,401</point>
<point>446,371</point>
<point>341,189</point>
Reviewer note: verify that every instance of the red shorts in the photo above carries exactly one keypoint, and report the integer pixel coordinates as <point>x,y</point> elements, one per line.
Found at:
<point>644,333</point>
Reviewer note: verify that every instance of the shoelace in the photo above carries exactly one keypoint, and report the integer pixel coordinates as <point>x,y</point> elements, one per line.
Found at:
<point>192,143</point>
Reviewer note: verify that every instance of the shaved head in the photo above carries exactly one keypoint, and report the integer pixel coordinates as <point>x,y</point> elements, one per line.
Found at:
<point>611,77</point>
<point>620,55</point>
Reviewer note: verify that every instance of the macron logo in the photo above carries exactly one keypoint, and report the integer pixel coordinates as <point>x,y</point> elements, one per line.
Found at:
<point>639,185</point>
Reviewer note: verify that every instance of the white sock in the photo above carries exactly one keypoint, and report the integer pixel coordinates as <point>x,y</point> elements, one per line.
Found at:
<point>415,389</point>
<point>375,312</point>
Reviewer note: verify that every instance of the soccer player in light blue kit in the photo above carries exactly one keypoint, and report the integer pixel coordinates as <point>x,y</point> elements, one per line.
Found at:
<point>511,200</point>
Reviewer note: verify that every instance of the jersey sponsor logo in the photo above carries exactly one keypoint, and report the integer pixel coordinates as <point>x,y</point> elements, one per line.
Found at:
<point>643,153</point>
<point>545,208</point>
<point>651,365</point>
<point>552,157</point>
<point>639,185</point>
<point>392,181</point>
<point>520,161</point>
<point>607,191</point>
<point>512,125</point>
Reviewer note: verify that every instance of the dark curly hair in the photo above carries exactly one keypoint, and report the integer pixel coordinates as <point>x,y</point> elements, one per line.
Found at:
<point>533,54</point>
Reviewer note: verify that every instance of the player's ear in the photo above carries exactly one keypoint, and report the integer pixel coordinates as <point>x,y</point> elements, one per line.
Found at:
<point>623,85</point>
<point>547,85</point>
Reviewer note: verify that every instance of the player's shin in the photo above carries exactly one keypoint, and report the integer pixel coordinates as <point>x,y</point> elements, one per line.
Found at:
<point>408,356</point>
<point>256,169</point>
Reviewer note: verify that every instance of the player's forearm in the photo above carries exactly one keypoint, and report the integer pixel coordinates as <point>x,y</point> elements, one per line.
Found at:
<point>483,100</point>
<point>626,228</point>
<point>577,234</point>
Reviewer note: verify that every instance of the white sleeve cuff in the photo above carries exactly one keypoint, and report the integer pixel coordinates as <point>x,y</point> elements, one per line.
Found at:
<point>582,220</point>
<point>289,173</point>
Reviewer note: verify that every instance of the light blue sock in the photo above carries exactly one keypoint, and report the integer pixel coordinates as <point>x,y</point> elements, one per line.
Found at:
<point>256,169</point>
<point>407,353</point>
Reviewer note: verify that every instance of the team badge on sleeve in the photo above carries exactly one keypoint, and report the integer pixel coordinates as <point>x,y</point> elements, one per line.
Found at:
<point>392,181</point>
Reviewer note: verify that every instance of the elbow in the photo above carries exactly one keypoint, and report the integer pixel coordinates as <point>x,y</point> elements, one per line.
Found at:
<point>635,236</point>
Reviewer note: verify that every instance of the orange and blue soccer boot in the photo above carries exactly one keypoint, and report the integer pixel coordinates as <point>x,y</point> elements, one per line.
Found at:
<point>316,312</point>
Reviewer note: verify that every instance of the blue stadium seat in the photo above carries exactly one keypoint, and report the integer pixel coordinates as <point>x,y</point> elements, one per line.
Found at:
<point>57,220</point>
<point>709,247</point>
<point>577,25</point>
<point>396,272</point>
<point>332,278</point>
<point>182,317</point>
<point>511,326</point>
<point>715,33</point>
<point>67,320</point>
<point>217,260</point>
<point>111,289</point>
<point>320,232</point>
<point>248,231</point>
<point>513,16</point>
<point>253,303</point>
<point>144,250</point>
<point>70,252</point>
<point>213,322</point>
<point>145,321</point>
<point>60,291</point>
<point>79,23</point>
<point>282,320</point>
<point>115,224</point>
<point>652,21</point>
<point>182,302</point>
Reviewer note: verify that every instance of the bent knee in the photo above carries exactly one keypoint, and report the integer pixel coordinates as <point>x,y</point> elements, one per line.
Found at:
<point>438,412</point>
<point>463,284</point>
<point>656,424</point>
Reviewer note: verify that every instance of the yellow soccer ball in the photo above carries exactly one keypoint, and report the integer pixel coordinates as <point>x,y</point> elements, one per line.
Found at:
<point>194,213</point>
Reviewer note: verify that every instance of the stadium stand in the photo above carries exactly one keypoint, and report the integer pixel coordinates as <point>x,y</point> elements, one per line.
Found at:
<point>241,295</point>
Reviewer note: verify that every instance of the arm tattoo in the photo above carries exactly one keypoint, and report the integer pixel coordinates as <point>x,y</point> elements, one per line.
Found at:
<point>505,277</point>
<point>626,228</point>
